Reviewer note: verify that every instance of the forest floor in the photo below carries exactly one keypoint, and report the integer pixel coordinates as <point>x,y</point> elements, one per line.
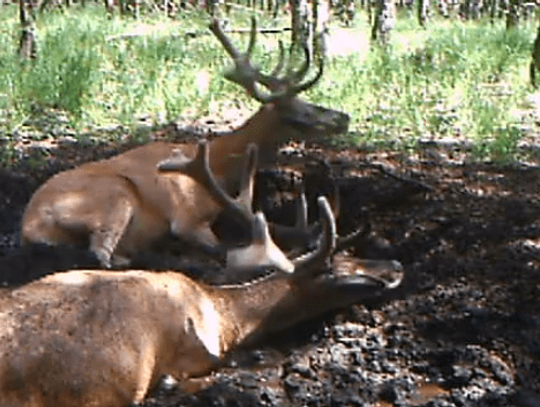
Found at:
<point>462,330</point>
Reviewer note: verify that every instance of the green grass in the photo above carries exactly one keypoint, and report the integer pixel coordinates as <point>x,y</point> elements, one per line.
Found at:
<point>454,79</point>
<point>464,81</point>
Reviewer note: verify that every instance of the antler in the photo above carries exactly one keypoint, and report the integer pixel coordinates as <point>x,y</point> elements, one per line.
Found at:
<point>262,246</point>
<point>247,75</point>
<point>198,168</point>
<point>312,262</point>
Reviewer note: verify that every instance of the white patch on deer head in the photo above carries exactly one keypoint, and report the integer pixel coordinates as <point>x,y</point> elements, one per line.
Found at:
<point>261,252</point>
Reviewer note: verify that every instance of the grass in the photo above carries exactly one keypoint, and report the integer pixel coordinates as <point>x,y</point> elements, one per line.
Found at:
<point>453,80</point>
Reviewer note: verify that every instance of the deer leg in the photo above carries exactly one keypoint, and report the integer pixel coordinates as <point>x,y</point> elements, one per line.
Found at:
<point>146,372</point>
<point>196,384</point>
<point>104,239</point>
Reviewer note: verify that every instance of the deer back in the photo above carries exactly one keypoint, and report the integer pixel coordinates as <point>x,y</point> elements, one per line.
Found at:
<point>102,339</point>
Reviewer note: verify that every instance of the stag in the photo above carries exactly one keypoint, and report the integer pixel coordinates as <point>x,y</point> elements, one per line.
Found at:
<point>121,206</point>
<point>144,219</point>
<point>103,339</point>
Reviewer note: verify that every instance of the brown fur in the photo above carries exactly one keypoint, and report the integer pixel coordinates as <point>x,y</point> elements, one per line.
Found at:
<point>120,206</point>
<point>103,339</point>
<point>80,205</point>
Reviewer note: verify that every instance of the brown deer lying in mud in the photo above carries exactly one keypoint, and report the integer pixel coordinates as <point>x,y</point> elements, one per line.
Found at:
<point>142,223</point>
<point>122,206</point>
<point>104,339</point>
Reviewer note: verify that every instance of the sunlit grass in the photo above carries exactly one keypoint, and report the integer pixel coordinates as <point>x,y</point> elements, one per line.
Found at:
<point>454,79</point>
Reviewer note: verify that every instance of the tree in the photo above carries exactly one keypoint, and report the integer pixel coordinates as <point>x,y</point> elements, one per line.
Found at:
<point>535,62</point>
<point>512,18</point>
<point>423,12</point>
<point>27,40</point>
<point>300,21</point>
<point>385,20</point>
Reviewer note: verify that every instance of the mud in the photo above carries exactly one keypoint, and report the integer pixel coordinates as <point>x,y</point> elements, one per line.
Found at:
<point>464,328</point>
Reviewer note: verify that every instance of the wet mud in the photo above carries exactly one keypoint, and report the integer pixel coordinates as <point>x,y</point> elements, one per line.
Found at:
<point>462,330</point>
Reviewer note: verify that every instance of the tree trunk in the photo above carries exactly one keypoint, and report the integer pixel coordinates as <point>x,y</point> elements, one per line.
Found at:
<point>109,5</point>
<point>300,21</point>
<point>423,12</point>
<point>384,22</point>
<point>512,18</point>
<point>27,41</point>
<point>476,6</point>
<point>277,5</point>
<point>535,62</point>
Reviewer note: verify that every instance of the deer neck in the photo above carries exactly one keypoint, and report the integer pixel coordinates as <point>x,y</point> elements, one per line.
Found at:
<point>245,310</point>
<point>264,128</point>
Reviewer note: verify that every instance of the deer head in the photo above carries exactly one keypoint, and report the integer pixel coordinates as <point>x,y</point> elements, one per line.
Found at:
<point>262,251</point>
<point>283,116</point>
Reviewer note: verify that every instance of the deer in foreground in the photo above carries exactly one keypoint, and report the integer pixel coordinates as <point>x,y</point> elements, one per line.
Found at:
<point>122,205</point>
<point>98,338</point>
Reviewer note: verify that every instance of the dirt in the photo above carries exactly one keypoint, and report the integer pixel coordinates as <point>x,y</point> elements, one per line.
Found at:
<point>463,329</point>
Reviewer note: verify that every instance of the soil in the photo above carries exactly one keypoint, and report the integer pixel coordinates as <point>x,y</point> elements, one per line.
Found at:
<point>462,330</point>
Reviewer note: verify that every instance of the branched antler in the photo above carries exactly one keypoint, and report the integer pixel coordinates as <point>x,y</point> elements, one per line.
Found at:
<point>247,75</point>
<point>199,169</point>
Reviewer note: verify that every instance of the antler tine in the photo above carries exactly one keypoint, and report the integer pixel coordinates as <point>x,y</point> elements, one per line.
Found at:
<point>226,42</point>
<point>199,169</point>
<point>301,212</point>
<point>240,207</point>
<point>300,73</point>
<point>295,89</point>
<point>281,61</point>
<point>247,182</point>
<point>271,80</point>
<point>181,163</point>
<point>252,36</point>
<point>244,73</point>
<point>308,265</point>
<point>336,199</point>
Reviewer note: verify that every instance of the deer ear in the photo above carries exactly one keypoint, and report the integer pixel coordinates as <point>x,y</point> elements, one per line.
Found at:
<point>259,231</point>
<point>273,254</point>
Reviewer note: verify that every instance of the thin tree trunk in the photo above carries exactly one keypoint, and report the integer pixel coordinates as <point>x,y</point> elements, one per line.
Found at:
<point>109,5</point>
<point>277,5</point>
<point>299,21</point>
<point>423,12</point>
<point>535,59</point>
<point>27,41</point>
<point>443,8</point>
<point>512,18</point>
<point>476,6</point>
<point>384,22</point>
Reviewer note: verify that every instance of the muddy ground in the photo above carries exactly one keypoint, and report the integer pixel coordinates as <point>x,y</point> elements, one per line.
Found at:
<point>464,328</point>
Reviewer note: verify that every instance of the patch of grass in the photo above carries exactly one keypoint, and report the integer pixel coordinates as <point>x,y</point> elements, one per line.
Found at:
<point>466,81</point>
<point>454,79</point>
